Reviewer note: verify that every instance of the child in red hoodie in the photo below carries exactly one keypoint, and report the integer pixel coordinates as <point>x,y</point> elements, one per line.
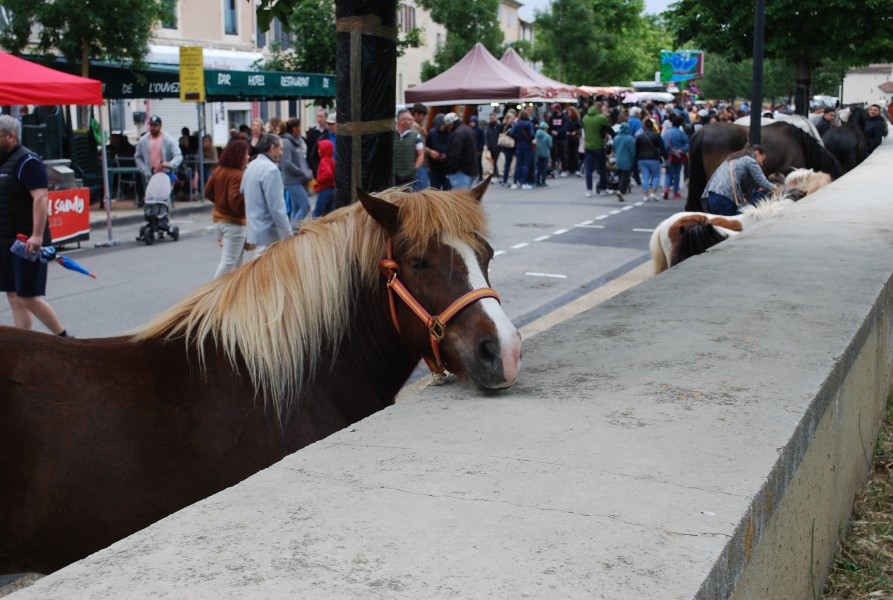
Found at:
<point>325,180</point>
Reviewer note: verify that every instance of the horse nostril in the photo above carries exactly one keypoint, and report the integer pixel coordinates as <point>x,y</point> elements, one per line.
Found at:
<point>488,352</point>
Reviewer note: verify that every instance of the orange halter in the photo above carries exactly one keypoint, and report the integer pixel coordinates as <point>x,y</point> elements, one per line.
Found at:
<point>436,324</point>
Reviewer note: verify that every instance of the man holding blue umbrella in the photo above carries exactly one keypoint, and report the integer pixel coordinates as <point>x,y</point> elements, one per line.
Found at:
<point>24,209</point>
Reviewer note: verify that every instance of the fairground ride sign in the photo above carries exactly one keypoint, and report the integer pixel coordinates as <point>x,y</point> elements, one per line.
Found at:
<point>681,65</point>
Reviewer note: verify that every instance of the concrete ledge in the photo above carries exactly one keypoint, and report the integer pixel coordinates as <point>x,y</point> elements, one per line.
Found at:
<point>698,436</point>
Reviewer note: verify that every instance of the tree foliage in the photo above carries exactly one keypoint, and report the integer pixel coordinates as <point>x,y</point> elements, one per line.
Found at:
<point>114,30</point>
<point>312,24</point>
<point>467,22</point>
<point>801,34</point>
<point>605,42</point>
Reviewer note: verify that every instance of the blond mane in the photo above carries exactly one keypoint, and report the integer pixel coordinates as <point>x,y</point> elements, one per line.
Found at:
<point>275,314</point>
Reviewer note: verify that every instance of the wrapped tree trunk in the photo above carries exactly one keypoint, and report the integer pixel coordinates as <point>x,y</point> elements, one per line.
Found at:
<point>366,74</point>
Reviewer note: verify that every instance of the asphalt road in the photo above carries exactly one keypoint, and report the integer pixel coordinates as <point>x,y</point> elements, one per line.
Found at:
<point>553,245</point>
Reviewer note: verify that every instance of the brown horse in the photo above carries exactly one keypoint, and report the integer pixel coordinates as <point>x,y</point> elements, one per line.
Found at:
<point>100,438</point>
<point>787,147</point>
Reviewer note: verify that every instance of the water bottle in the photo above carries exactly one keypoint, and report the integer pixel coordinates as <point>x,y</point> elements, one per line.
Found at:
<point>46,253</point>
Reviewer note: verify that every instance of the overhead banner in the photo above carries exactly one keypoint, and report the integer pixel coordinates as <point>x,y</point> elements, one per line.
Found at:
<point>681,65</point>
<point>268,84</point>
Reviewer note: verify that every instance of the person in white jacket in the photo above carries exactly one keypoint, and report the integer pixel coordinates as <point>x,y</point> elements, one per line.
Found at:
<point>267,220</point>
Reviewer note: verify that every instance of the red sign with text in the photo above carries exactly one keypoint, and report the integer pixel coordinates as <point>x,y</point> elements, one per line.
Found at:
<point>69,213</point>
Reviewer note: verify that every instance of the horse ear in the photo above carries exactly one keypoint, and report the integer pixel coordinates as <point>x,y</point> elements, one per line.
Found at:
<point>478,192</point>
<point>385,214</point>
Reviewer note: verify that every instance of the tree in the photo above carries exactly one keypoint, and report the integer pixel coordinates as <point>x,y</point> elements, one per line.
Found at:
<point>113,30</point>
<point>467,22</point>
<point>599,43</point>
<point>800,34</point>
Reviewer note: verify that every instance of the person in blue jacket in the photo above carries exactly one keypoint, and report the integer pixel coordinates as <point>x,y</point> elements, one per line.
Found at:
<point>676,143</point>
<point>624,157</point>
<point>523,134</point>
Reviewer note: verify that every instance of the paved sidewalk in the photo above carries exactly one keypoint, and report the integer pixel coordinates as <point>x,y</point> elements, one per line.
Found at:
<point>126,211</point>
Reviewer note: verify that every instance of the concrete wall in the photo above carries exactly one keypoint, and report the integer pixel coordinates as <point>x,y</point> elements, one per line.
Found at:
<point>698,436</point>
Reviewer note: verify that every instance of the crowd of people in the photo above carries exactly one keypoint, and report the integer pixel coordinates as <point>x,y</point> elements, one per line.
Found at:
<point>609,144</point>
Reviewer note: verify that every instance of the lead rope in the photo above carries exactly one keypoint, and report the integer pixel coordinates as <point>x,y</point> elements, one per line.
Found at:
<point>436,324</point>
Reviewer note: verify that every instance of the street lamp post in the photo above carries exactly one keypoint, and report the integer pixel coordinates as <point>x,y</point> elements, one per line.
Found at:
<point>756,90</point>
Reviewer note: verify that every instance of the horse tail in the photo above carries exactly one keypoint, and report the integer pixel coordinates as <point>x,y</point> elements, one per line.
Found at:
<point>697,178</point>
<point>657,253</point>
<point>695,239</point>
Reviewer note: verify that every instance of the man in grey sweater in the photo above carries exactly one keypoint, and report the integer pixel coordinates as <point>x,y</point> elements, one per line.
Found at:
<point>265,196</point>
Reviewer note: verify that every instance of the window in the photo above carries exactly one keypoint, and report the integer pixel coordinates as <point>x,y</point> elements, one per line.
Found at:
<point>281,36</point>
<point>261,37</point>
<point>406,18</point>
<point>169,21</point>
<point>231,17</point>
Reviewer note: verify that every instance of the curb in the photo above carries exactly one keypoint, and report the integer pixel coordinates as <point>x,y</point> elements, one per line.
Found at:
<point>135,215</point>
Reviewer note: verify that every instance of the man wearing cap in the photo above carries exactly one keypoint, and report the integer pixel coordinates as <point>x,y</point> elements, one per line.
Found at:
<point>157,152</point>
<point>461,153</point>
<point>558,123</point>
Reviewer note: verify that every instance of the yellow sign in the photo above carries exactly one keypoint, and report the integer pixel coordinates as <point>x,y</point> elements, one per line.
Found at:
<point>192,74</point>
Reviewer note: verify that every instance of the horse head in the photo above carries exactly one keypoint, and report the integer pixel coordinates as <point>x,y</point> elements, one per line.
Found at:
<point>436,276</point>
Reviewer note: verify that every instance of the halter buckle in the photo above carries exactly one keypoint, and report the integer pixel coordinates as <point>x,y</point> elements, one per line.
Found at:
<point>437,329</point>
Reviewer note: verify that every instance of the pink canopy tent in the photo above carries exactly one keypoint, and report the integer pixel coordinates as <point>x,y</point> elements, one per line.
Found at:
<point>555,91</point>
<point>25,82</point>
<point>476,79</point>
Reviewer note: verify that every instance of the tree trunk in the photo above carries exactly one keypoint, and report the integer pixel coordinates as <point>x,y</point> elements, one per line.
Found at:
<point>803,78</point>
<point>366,75</point>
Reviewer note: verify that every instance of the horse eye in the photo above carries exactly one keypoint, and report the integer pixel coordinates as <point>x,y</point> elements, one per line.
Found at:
<point>418,263</point>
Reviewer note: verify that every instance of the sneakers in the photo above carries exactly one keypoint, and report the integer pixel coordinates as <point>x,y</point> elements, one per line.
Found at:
<point>620,197</point>
<point>514,186</point>
<point>666,193</point>
<point>563,174</point>
<point>589,193</point>
<point>677,195</point>
<point>526,186</point>
<point>646,197</point>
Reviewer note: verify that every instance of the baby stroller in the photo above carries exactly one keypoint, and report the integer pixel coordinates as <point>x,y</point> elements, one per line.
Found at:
<point>158,202</point>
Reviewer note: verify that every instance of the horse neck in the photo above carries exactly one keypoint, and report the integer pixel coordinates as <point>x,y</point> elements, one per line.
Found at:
<point>372,360</point>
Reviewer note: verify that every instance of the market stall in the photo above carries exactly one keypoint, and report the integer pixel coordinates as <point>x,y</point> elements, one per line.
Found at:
<point>25,82</point>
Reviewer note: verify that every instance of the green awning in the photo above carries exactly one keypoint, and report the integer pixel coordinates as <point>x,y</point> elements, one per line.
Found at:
<point>163,81</point>
<point>267,85</point>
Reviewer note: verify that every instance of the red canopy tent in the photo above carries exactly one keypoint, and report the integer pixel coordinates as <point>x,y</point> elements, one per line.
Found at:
<point>476,79</point>
<point>25,82</point>
<point>555,91</point>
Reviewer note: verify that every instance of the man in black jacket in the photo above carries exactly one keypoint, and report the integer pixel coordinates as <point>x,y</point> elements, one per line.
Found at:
<point>462,154</point>
<point>875,128</point>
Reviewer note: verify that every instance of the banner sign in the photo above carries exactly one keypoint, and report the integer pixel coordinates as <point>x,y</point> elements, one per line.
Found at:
<point>192,74</point>
<point>268,84</point>
<point>681,65</point>
<point>69,215</point>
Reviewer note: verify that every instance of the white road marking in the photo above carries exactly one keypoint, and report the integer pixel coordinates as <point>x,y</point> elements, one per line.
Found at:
<point>615,212</point>
<point>498,252</point>
<point>584,223</point>
<point>521,245</point>
<point>559,232</point>
<point>627,208</point>
<point>555,275</point>
<point>591,226</point>
<point>643,230</point>
<point>541,238</point>
<point>602,217</point>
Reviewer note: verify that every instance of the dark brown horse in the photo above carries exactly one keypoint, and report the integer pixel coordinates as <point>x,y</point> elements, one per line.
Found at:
<point>787,147</point>
<point>100,438</point>
<point>847,142</point>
